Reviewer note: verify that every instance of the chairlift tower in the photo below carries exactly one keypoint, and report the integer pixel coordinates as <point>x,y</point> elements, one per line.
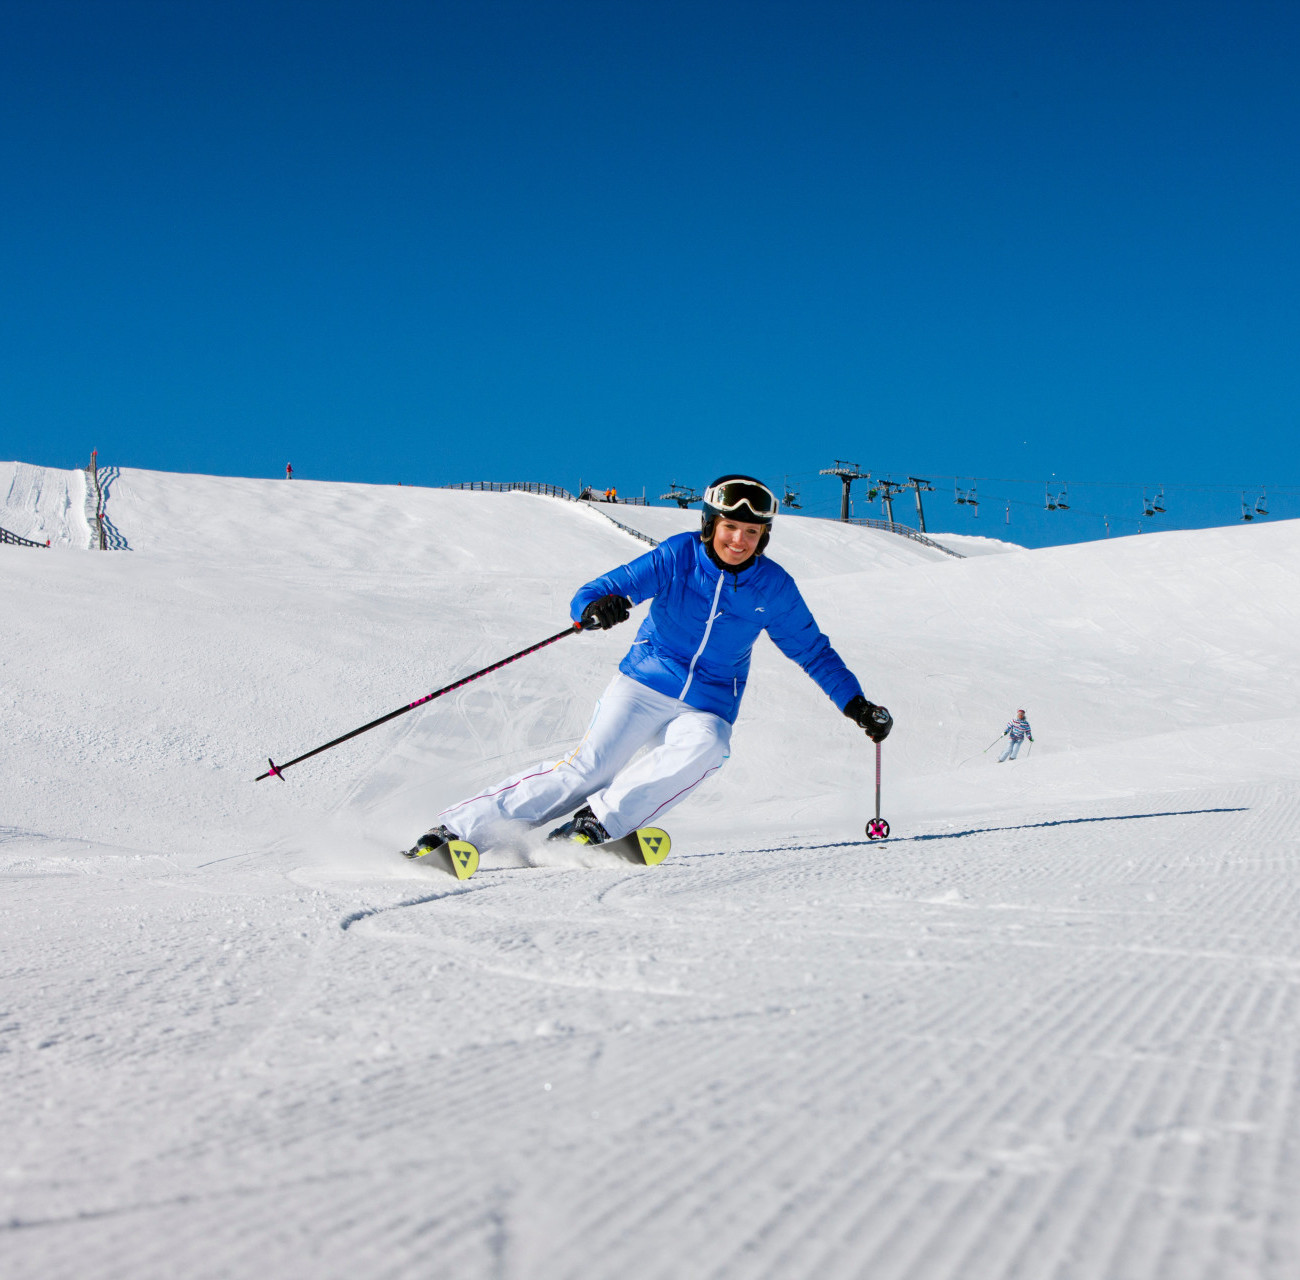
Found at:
<point>848,472</point>
<point>921,486</point>
<point>679,494</point>
<point>887,490</point>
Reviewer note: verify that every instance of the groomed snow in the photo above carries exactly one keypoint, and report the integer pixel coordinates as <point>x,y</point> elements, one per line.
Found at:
<point>1051,1029</point>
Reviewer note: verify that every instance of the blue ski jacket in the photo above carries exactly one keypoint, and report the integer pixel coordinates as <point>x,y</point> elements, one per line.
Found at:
<point>696,641</point>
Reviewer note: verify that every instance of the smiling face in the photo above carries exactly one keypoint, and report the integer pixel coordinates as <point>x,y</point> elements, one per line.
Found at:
<point>734,542</point>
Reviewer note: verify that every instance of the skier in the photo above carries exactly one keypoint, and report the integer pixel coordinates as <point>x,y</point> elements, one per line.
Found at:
<point>679,687</point>
<point>1017,731</point>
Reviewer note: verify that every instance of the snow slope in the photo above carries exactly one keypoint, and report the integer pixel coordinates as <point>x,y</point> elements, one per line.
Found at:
<point>38,503</point>
<point>1049,1030</point>
<point>809,545</point>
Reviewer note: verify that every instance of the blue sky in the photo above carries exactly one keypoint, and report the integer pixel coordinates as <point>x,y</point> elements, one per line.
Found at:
<point>629,243</point>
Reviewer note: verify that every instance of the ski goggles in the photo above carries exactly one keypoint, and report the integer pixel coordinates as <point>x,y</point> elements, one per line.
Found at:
<point>730,495</point>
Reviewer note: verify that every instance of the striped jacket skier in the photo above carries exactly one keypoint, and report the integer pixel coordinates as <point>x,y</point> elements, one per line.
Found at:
<point>1016,732</point>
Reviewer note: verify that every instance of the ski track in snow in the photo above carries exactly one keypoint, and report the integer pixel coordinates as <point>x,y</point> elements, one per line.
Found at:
<point>1050,1029</point>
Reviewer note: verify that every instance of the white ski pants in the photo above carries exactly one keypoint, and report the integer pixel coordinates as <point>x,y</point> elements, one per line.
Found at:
<point>685,746</point>
<point>1011,750</point>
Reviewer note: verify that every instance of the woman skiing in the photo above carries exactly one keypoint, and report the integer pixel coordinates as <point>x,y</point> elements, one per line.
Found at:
<point>679,687</point>
<point>1016,731</point>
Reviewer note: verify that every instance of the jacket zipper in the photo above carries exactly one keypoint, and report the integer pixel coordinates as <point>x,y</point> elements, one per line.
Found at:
<point>713,610</point>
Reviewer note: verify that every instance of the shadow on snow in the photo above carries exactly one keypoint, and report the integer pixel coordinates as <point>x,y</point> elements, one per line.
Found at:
<point>975,831</point>
<point>348,921</point>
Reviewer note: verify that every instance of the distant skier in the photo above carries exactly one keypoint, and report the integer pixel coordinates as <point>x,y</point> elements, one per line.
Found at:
<point>1016,731</point>
<point>680,685</point>
<point>288,470</point>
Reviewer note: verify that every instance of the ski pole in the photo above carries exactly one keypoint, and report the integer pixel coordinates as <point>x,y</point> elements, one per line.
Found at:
<point>877,782</point>
<point>277,770</point>
<point>986,750</point>
<point>877,828</point>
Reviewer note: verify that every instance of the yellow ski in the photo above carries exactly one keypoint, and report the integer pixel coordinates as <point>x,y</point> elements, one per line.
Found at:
<point>464,858</point>
<point>653,843</point>
<point>457,856</point>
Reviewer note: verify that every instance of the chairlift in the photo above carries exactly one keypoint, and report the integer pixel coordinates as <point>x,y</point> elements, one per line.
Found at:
<point>1148,507</point>
<point>1061,504</point>
<point>1246,512</point>
<point>972,499</point>
<point>1049,501</point>
<point>1158,502</point>
<point>959,495</point>
<point>1261,506</point>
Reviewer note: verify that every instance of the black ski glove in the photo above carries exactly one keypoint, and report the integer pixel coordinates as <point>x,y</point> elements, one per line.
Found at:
<point>866,715</point>
<point>606,612</point>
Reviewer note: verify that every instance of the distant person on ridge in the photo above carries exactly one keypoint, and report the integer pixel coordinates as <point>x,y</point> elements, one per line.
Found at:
<point>679,688</point>
<point>1017,730</point>
<point>288,470</point>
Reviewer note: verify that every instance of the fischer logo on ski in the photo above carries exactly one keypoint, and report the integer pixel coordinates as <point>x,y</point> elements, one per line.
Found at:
<point>654,844</point>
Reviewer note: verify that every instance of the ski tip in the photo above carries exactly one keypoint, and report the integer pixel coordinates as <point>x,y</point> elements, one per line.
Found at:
<point>464,858</point>
<point>457,856</point>
<point>654,844</point>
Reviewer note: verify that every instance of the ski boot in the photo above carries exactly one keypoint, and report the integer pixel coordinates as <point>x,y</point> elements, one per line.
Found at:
<point>583,828</point>
<point>646,845</point>
<point>458,856</point>
<point>431,840</point>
